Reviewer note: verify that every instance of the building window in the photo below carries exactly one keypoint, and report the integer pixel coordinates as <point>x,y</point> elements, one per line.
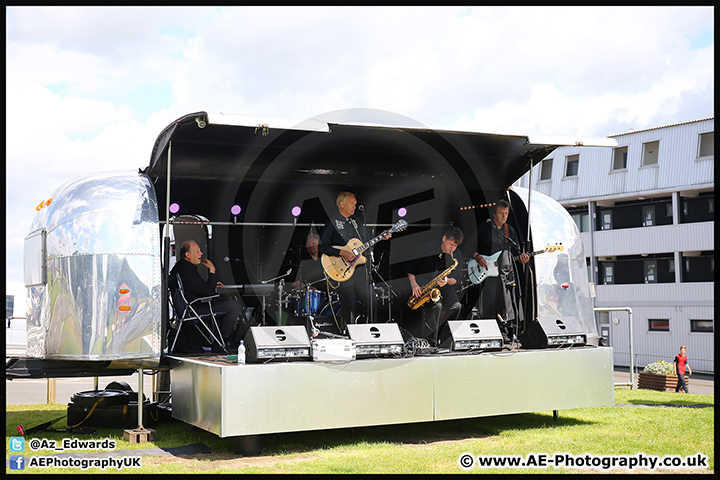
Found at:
<point>704,326</point>
<point>572,165</point>
<point>582,220</point>
<point>671,266</point>
<point>648,215</point>
<point>650,153</point>
<point>650,269</point>
<point>620,158</point>
<point>608,274</point>
<point>658,325</point>
<point>546,169</point>
<point>711,205</point>
<point>707,144</point>
<point>606,220</point>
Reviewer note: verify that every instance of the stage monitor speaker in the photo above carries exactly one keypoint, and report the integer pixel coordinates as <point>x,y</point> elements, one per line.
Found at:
<point>277,343</point>
<point>553,332</point>
<point>467,335</point>
<point>376,339</point>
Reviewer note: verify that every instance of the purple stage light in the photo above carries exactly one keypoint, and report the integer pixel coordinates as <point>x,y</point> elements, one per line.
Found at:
<point>174,208</point>
<point>235,210</point>
<point>296,211</point>
<point>402,212</point>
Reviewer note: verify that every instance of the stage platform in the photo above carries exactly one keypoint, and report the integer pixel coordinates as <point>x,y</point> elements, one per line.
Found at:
<point>231,400</point>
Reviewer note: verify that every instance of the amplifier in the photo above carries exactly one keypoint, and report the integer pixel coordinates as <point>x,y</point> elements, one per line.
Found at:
<point>552,332</point>
<point>376,339</point>
<point>483,334</point>
<point>277,343</point>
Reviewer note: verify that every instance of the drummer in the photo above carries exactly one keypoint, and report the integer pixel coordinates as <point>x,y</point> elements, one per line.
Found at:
<point>311,270</point>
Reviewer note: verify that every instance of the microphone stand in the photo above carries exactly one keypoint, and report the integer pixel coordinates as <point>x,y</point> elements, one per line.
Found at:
<point>369,290</point>
<point>390,290</point>
<point>263,296</point>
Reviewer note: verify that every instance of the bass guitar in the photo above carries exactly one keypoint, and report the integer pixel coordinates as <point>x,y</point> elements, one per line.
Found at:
<point>340,269</point>
<point>478,274</point>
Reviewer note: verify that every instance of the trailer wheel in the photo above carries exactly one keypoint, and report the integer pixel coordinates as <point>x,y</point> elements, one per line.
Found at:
<point>248,445</point>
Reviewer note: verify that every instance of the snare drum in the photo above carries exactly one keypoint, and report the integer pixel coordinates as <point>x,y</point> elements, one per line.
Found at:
<point>309,302</point>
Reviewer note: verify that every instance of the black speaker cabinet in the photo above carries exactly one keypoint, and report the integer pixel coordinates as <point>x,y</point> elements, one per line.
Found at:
<point>277,343</point>
<point>553,332</point>
<point>376,339</point>
<point>460,335</point>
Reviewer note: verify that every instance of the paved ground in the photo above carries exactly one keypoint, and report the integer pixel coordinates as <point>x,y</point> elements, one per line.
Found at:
<point>701,384</point>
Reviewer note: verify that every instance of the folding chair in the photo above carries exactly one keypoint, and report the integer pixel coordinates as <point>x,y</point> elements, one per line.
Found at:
<point>185,312</point>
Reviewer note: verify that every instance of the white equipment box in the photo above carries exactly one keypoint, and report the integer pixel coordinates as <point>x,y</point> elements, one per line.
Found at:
<point>333,350</point>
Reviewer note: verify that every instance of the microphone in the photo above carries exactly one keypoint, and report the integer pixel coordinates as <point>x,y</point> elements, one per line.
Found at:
<point>361,208</point>
<point>228,259</point>
<point>487,221</point>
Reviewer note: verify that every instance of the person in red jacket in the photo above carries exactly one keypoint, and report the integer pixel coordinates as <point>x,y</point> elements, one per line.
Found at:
<point>680,366</point>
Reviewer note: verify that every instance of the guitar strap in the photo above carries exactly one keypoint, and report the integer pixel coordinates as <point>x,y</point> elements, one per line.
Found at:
<point>354,224</point>
<point>507,235</point>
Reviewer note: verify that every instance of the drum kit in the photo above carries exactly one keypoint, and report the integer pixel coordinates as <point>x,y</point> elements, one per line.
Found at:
<point>308,300</point>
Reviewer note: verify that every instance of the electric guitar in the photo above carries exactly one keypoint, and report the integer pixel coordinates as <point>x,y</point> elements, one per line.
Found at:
<point>340,269</point>
<point>478,274</point>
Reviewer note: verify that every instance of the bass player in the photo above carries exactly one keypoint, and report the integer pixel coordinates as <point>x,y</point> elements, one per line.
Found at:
<point>340,228</point>
<point>500,296</point>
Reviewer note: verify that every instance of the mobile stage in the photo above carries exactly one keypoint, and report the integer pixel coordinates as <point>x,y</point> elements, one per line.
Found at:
<point>237,400</point>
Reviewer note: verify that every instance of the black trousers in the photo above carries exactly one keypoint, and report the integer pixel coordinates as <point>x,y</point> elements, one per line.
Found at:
<point>428,320</point>
<point>232,324</point>
<point>350,290</point>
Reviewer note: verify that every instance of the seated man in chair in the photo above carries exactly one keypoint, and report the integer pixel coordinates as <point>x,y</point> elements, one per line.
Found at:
<point>233,325</point>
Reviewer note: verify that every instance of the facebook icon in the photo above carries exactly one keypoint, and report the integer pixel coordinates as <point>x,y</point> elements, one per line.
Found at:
<point>17,462</point>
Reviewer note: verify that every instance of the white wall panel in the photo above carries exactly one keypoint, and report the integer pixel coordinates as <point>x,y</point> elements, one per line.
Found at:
<point>658,239</point>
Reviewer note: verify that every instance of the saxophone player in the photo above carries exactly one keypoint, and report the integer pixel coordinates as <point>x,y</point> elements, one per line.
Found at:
<point>434,267</point>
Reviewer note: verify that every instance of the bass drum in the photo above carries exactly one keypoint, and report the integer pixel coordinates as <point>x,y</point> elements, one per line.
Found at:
<point>331,307</point>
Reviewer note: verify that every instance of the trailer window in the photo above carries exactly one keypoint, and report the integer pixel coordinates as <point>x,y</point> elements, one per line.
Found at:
<point>34,259</point>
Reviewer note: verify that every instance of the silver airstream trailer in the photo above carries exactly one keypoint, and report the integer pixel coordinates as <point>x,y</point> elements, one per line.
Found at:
<point>98,256</point>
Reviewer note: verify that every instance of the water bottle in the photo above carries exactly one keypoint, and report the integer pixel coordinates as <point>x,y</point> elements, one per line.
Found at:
<point>241,353</point>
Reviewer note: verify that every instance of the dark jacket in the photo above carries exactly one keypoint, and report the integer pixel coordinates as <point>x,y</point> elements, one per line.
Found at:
<point>338,231</point>
<point>193,284</point>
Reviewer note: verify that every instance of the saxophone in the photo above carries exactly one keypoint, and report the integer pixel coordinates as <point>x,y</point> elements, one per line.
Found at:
<point>429,291</point>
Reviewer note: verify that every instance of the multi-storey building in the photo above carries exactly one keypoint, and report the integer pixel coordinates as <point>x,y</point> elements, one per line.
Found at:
<point>645,211</point>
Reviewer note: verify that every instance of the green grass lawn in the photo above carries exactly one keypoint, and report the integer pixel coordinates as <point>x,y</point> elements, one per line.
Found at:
<point>425,447</point>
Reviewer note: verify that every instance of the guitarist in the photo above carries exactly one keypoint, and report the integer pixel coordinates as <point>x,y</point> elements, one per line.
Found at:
<point>340,228</point>
<point>500,296</point>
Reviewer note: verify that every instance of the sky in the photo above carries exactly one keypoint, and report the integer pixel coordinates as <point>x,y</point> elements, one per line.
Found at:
<point>88,89</point>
